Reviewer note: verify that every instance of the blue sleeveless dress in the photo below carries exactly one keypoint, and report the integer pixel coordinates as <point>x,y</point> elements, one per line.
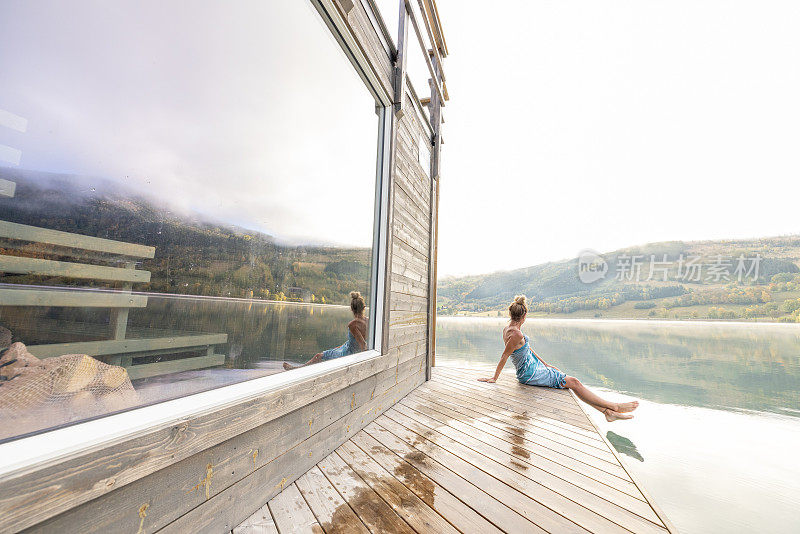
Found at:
<point>349,347</point>
<point>531,371</point>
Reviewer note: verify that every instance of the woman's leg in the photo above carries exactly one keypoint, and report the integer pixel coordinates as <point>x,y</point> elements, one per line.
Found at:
<point>612,410</point>
<point>314,359</point>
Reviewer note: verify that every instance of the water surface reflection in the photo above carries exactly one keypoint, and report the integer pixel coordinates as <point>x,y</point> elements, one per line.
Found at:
<point>716,435</point>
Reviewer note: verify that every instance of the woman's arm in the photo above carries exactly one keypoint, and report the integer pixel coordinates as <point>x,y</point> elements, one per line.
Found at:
<point>513,340</point>
<point>353,326</point>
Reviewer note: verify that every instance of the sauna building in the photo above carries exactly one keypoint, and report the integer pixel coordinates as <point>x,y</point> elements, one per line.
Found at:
<point>217,286</point>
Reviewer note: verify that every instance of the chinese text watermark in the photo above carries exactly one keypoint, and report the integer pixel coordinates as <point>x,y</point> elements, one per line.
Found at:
<point>685,268</point>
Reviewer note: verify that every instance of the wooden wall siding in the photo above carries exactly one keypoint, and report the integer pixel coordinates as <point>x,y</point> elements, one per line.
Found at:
<point>210,473</point>
<point>367,38</point>
<point>410,215</point>
<point>410,223</point>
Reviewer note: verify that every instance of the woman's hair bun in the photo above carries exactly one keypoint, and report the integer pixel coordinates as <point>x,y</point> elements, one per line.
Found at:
<point>357,303</point>
<point>518,308</point>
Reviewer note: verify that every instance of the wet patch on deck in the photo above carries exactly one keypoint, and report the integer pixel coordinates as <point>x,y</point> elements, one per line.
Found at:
<point>458,455</point>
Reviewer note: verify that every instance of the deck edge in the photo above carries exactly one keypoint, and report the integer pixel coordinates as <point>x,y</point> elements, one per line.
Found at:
<point>636,481</point>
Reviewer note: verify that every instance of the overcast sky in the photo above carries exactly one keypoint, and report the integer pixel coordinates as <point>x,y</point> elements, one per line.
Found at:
<point>246,111</point>
<point>573,124</point>
<point>600,124</point>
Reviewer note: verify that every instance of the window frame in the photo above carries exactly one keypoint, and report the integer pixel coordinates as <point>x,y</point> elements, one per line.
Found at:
<point>24,456</point>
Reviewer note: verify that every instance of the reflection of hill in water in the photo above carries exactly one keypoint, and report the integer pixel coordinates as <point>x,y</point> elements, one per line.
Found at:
<point>257,331</point>
<point>748,366</point>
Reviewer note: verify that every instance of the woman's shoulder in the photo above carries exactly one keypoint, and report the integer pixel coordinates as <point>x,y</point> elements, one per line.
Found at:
<point>512,333</point>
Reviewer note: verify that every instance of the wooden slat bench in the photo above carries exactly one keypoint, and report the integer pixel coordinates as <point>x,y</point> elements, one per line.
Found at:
<point>67,298</point>
<point>118,350</point>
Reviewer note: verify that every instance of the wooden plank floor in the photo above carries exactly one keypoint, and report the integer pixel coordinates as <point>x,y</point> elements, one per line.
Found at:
<point>458,455</point>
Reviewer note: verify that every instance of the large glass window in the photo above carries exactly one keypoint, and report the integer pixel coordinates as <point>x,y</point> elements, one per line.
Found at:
<point>187,200</point>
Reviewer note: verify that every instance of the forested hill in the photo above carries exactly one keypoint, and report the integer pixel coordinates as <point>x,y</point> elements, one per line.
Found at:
<point>737,279</point>
<point>194,255</point>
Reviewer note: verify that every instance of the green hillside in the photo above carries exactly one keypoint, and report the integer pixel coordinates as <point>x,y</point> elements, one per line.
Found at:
<point>194,255</point>
<point>756,279</point>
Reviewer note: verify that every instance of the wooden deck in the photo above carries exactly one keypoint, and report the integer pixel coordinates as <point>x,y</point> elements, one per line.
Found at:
<point>457,455</point>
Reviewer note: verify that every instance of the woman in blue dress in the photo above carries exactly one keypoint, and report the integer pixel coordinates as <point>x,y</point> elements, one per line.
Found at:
<point>356,336</point>
<point>533,370</point>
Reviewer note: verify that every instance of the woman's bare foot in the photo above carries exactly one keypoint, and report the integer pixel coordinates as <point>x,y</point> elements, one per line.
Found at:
<point>625,407</point>
<point>611,415</point>
<point>288,366</point>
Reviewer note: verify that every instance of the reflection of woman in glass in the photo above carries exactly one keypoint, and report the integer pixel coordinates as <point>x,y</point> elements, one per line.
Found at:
<point>532,369</point>
<point>356,335</point>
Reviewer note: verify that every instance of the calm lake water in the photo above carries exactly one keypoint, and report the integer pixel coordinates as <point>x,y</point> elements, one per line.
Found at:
<point>260,335</point>
<point>258,331</point>
<point>716,438</point>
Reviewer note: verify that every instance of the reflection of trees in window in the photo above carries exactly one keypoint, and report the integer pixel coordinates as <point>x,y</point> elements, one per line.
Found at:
<point>192,257</point>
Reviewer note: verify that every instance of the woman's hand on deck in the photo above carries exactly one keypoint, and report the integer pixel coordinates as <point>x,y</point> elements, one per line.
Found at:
<point>490,380</point>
